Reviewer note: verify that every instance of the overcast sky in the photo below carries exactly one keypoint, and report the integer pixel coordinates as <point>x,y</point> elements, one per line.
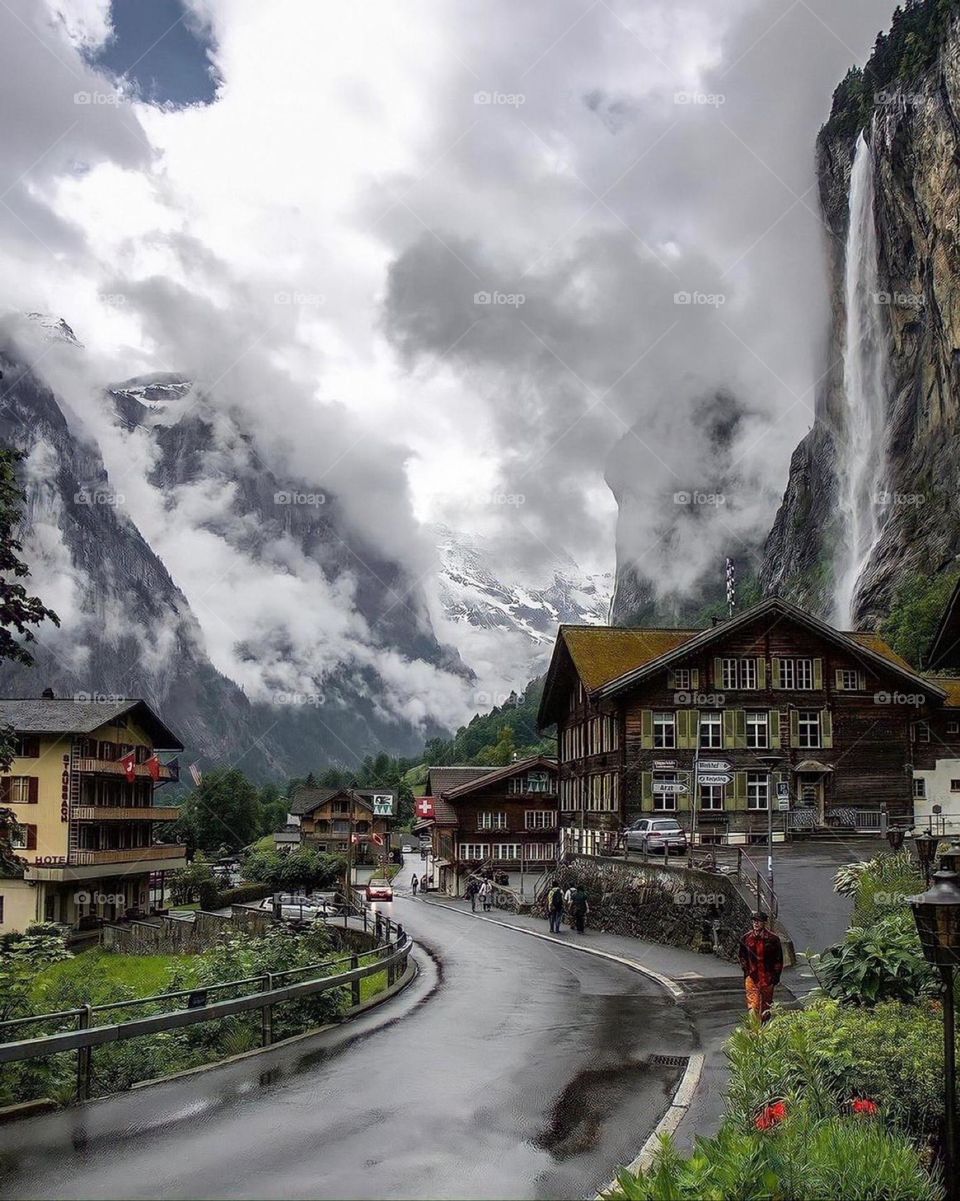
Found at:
<point>445,241</point>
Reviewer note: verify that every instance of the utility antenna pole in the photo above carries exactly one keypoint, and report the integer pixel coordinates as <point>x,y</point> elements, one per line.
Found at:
<point>731,587</point>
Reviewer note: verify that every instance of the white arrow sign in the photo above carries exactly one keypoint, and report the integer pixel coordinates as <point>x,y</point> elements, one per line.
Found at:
<point>709,765</point>
<point>668,787</point>
<point>719,778</point>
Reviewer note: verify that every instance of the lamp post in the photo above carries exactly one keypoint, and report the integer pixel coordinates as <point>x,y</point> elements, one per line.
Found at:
<point>937,914</point>
<point>950,858</point>
<point>926,845</point>
<point>895,836</point>
<point>770,762</point>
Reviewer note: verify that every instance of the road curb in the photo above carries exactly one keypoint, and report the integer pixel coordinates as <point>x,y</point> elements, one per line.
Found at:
<point>675,990</point>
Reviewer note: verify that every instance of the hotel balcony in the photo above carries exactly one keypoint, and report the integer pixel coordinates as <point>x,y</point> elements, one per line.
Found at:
<point>127,854</point>
<point>112,813</point>
<point>113,767</point>
<point>122,861</point>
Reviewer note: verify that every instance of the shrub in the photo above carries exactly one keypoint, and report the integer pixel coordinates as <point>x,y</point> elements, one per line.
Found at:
<point>291,871</point>
<point>879,886</point>
<point>802,1158</point>
<point>881,963</point>
<point>832,1054</point>
<point>241,894</point>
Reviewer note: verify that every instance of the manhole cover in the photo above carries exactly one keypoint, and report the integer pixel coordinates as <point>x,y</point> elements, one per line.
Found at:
<point>670,1061</point>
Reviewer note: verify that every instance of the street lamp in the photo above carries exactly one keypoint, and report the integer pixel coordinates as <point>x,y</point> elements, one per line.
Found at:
<point>926,845</point>
<point>937,914</point>
<point>770,762</point>
<point>895,835</point>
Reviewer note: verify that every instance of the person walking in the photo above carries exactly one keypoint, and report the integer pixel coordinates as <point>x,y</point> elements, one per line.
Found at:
<point>761,958</point>
<point>415,884</point>
<point>471,890</point>
<point>424,882</point>
<point>486,895</point>
<point>555,907</point>
<point>579,908</point>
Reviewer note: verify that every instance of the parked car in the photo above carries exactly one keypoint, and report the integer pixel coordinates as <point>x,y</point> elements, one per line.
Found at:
<point>298,907</point>
<point>408,848</point>
<point>379,890</point>
<point>664,834</point>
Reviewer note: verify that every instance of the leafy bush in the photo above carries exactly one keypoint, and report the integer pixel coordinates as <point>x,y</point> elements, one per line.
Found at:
<point>241,894</point>
<point>803,1158</point>
<point>21,957</point>
<point>831,1054</point>
<point>292,871</point>
<point>879,886</point>
<point>881,963</point>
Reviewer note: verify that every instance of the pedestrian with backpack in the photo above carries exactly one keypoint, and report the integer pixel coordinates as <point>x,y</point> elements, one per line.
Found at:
<point>579,909</point>
<point>415,884</point>
<point>555,907</point>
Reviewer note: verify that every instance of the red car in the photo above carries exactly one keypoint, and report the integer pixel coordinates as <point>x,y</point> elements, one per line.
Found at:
<point>379,890</point>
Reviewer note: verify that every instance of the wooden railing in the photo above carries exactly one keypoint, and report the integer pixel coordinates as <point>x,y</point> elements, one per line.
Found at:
<point>138,813</point>
<point>113,767</point>
<point>165,850</point>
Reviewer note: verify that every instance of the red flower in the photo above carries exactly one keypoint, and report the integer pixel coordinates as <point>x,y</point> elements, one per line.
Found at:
<point>771,1115</point>
<point>865,1106</point>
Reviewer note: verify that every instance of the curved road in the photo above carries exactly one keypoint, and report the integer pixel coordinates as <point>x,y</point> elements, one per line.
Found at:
<point>510,1068</point>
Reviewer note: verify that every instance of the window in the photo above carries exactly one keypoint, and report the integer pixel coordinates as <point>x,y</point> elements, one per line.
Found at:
<point>955,785</point>
<point>568,798</point>
<point>473,850</point>
<point>728,673</point>
<point>953,727</point>
<point>920,786</point>
<point>794,674</point>
<point>758,733</point>
<point>539,781</point>
<point>808,729</point>
<point>848,679</point>
<point>711,731</point>
<point>540,850</point>
<point>663,799</point>
<point>23,838</point>
<point>681,679</point>
<point>804,674</point>
<point>748,673</point>
<point>738,673</point>
<point>664,731</point>
<point>19,790</point>
<point>711,796</point>
<point>26,747</point>
<point>492,821</point>
<point>506,850</point>
<point>757,790</point>
<point>539,819</point>
<point>923,731</point>
<point>603,792</point>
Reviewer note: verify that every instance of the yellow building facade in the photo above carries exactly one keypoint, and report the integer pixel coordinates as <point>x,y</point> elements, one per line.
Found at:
<point>85,830</point>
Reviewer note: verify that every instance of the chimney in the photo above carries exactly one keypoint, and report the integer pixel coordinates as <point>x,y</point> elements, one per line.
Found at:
<point>47,694</point>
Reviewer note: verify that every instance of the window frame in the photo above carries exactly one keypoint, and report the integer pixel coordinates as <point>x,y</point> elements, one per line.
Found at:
<point>808,719</point>
<point>710,720</point>
<point>758,719</point>
<point>755,787</point>
<point>664,720</point>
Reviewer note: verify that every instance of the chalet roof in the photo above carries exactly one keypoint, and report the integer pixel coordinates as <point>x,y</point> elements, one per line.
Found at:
<point>441,780</point>
<point>951,686</point>
<point>69,715</point>
<point>305,800</point>
<point>609,659</point>
<point>944,649</point>
<point>503,773</point>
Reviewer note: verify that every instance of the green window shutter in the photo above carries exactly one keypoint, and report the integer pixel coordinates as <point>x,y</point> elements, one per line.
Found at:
<point>761,673</point>
<point>718,673</point>
<point>826,729</point>
<point>794,727</point>
<point>671,679</point>
<point>646,789</point>
<point>740,725</point>
<point>775,672</point>
<point>729,729</point>
<point>646,729</point>
<point>681,720</point>
<point>862,680</point>
<point>695,678</point>
<point>694,730</point>
<point>774,719</point>
<point>739,799</point>
<point>818,673</point>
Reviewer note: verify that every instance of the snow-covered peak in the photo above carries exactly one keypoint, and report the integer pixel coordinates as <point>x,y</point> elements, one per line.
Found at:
<point>55,329</point>
<point>153,391</point>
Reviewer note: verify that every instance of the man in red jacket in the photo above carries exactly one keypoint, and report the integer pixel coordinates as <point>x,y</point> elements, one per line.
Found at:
<point>761,957</point>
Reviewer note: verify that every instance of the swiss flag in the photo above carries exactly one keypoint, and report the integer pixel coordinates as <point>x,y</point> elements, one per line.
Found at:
<point>153,767</point>
<point>129,765</point>
<point>425,807</point>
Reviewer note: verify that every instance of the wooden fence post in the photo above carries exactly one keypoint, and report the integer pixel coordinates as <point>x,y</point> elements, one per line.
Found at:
<point>84,1056</point>
<point>354,984</point>
<point>266,1015</point>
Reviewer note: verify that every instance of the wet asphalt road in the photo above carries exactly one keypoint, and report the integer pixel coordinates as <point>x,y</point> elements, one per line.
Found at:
<point>510,1068</point>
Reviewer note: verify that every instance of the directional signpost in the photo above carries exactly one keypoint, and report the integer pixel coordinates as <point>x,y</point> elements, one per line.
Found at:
<point>669,787</point>
<point>711,766</point>
<point>713,778</point>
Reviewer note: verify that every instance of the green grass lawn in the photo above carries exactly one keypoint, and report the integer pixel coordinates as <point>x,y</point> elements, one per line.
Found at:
<point>145,974</point>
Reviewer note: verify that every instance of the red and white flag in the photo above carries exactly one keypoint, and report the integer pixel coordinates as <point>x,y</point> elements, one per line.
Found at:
<point>354,837</point>
<point>425,807</point>
<point>378,839</point>
<point>153,767</point>
<point>129,765</point>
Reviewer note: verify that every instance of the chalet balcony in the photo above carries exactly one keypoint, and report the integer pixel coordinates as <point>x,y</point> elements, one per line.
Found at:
<point>113,813</point>
<point>127,855</point>
<point>113,767</point>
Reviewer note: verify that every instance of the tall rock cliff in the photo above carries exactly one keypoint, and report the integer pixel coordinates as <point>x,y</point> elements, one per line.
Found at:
<point>906,104</point>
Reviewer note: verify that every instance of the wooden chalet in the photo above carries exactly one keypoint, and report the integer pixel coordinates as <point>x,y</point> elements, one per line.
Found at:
<point>329,818</point>
<point>500,818</point>
<point>773,706</point>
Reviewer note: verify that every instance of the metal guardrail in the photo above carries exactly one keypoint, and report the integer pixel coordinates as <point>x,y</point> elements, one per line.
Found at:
<point>392,949</point>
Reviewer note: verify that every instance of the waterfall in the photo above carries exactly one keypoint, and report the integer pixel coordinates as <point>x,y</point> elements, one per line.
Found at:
<point>862,446</point>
